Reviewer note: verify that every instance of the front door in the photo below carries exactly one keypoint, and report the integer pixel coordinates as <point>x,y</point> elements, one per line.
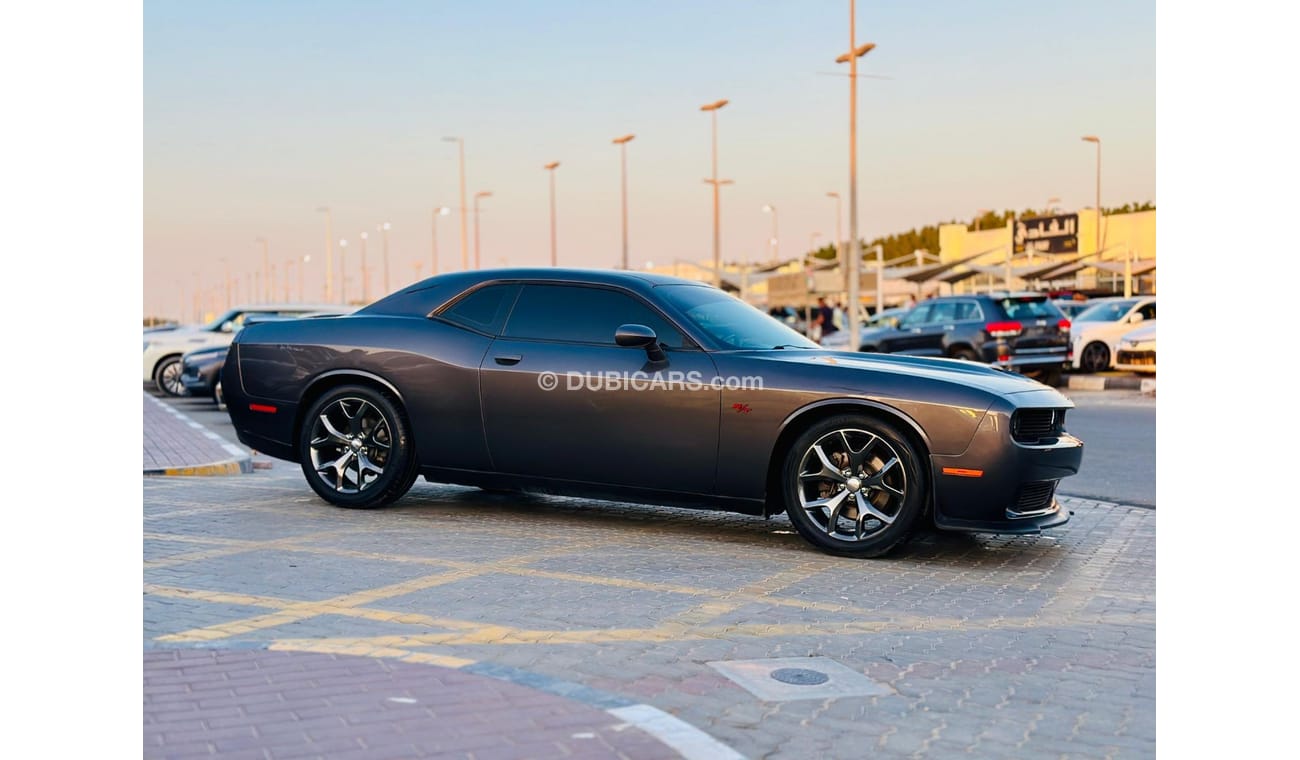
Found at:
<point>562,400</point>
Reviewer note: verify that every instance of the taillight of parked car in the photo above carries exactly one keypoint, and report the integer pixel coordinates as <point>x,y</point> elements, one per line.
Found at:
<point>1003,329</point>
<point>1064,324</point>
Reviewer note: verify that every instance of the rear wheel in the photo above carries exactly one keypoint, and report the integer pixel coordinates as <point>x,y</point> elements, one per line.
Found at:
<point>1095,357</point>
<point>853,486</point>
<point>219,397</point>
<point>355,448</point>
<point>167,376</point>
<point>965,354</point>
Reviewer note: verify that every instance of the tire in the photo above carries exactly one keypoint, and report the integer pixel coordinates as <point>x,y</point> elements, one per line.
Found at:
<point>356,449</point>
<point>888,479</point>
<point>1095,357</point>
<point>965,354</point>
<point>869,349</point>
<point>1050,376</point>
<point>167,376</point>
<point>219,397</point>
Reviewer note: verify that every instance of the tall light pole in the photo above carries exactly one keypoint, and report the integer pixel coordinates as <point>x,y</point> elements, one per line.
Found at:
<point>437,212</point>
<point>622,142</point>
<point>226,262</point>
<point>343,271</point>
<point>365,271</point>
<point>329,253</point>
<point>383,230</point>
<point>464,207</point>
<point>712,109</point>
<point>302,270</point>
<point>1097,231</point>
<point>477,237</point>
<point>288,278</point>
<point>855,52</point>
<point>550,169</point>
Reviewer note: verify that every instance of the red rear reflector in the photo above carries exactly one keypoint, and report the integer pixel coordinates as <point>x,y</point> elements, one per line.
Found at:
<point>1002,329</point>
<point>1064,324</point>
<point>262,408</point>
<point>962,472</point>
<point>1004,358</point>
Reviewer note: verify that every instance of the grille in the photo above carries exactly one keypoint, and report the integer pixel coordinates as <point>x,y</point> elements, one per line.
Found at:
<point>1031,425</point>
<point>1033,498</point>
<point>1140,358</point>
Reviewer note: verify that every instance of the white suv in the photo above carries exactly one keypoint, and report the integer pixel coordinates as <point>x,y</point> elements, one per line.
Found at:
<point>163,349</point>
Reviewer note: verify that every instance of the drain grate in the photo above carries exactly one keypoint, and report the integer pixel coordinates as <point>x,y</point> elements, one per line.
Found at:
<point>800,676</point>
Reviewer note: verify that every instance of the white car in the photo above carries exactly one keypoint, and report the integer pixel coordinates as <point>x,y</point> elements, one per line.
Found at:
<point>1137,350</point>
<point>1095,332</point>
<point>163,349</point>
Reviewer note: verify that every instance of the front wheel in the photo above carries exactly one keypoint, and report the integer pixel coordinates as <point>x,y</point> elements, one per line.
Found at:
<point>167,376</point>
<point>1095,357</point>
<point>356,449</point>
<point>853,486</point>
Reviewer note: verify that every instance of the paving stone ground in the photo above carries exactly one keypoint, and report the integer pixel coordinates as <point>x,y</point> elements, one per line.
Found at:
<point>174,441</point>
<point>276,625</point>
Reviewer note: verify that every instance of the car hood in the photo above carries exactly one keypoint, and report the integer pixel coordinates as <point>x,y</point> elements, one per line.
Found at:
<point>1142,333</point>
<point>972,374</point>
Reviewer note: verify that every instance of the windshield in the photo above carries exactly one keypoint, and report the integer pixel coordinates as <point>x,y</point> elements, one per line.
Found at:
<point>730,321</point>
<point>1109,311</point>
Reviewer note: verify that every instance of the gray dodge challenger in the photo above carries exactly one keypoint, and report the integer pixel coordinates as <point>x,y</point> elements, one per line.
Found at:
<point>645,388</point>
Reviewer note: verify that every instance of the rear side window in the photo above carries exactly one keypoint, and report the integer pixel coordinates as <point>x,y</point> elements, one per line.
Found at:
<point>576,314</point>
<point>1030,308</point>
<point>484,310</point>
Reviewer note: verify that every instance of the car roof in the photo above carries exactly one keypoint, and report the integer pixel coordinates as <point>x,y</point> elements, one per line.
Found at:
<point>629,277</point>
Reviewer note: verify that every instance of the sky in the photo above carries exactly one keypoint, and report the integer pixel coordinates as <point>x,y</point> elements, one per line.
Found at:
<point>258,113</point>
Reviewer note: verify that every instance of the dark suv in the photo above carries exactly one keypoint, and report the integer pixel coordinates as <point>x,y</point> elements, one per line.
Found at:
<point>1023,332</point>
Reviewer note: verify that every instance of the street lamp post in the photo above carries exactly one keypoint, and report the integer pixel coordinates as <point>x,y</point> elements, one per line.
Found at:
<point>343,271</point>
<point>437,212</point>
<point>477,238</point>
<point>365,271</point>
<point>855,52</point>
<point>1097,229</point>
<point>302,270</point>
<point>329,253</point>
<point>464,207</point>
<point>383,230</point>
<point>622,142</point>
<point>288,278</point>
<point>550,169</point>
<point>772,242</point>
<point>226,262</point>
<point>712,109</point>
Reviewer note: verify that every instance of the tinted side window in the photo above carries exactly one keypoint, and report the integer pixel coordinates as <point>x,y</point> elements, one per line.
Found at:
<point>944,311</point>
<point>1148,312</point>
<point>483,310</point>
<point>576,314</point>
<point>968,311</point>
<point>917,316</point>
<point>1030,308</point>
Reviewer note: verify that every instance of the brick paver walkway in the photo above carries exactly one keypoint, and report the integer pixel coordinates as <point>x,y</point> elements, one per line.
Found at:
<point>261,704</point>
<point>173,440</point>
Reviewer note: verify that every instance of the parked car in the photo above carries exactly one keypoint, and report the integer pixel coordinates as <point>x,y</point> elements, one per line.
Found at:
<point>790,317</point>
<point>1098,328</point>
<point>1024,332</point>
<point>648,388</point>
<point>163,350</point>
<point>201,368</point>
<point>1136,351</point>
<point>1070,307</point>
<point>871,325</point>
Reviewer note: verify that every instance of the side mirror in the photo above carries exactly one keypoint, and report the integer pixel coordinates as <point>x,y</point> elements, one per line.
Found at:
<point>640,336</point>
<point>1135,317</point>
<point>228,326</point>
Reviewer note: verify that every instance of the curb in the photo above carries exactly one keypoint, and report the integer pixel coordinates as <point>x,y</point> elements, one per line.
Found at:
<point>241,463</point>
<point>1107,383</point>
<point>228,467</point>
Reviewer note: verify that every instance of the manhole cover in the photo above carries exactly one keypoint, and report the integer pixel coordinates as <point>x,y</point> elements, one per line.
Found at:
<point>800,676</point>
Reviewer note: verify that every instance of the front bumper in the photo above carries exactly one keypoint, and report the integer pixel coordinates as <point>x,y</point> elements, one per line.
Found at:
<point>1001,486</point>
<point>201,380</point>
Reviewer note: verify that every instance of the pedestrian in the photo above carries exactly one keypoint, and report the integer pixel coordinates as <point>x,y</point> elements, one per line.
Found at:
<point>825,318</point>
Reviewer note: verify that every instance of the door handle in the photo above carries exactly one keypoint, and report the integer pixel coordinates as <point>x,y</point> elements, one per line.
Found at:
<point>508,360</point>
